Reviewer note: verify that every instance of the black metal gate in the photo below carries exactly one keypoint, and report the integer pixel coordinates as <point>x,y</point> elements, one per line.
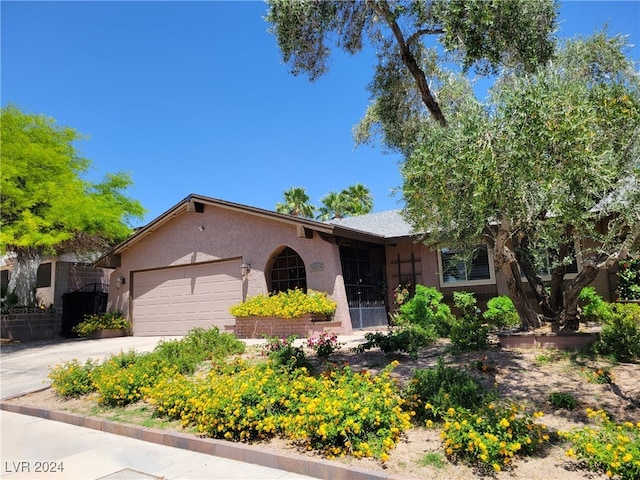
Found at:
<point>88,300</point>
<point>364,274</point>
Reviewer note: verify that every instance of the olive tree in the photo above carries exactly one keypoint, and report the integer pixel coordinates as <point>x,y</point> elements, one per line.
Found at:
<point>548,168</point>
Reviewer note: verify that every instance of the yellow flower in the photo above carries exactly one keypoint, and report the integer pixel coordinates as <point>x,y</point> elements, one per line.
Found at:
<point>504,423</point>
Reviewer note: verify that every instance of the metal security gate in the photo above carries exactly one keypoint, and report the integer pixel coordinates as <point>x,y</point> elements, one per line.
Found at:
<point>364,273</point>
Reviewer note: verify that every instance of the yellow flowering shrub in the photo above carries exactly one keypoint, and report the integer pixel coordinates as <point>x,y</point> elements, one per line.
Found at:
<point>290,304</point>
<point>491,436</point>
<point>339,413</point>
<point>613,449</point>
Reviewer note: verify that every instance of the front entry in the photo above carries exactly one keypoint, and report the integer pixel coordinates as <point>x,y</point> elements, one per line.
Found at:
<point>364,273</point>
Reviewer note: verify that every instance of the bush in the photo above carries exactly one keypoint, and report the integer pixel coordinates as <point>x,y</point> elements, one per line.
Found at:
<point>407,339</point>
<point>290,304</point>
<point>72,379</point>
<point>612,449</point>
<point>501,312</point>
<point>491,437</point>
<point>339,413</point>
<point>594,308</point>
<point>282,353</point>
<point>620,336</point>
<point>468,333</point>
<point>102,321</point>
<point>563,400</point>
<point>433,391</point>
<point>324,344</point>
<point>426,309</point>
<point>629,279</point>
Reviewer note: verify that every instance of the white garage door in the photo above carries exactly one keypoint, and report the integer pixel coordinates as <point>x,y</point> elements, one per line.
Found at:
<point>172,301</point>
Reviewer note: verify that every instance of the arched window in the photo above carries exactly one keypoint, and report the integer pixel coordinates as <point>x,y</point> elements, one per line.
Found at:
<point>288,272</point>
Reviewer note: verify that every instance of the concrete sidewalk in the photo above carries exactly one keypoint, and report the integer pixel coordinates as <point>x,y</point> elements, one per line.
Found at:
<point>36,442</point>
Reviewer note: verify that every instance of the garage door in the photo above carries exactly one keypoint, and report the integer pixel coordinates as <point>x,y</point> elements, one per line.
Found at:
<point>172,301</point>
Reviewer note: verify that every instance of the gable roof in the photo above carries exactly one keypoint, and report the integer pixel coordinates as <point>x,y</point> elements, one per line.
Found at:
<point>373,227</point>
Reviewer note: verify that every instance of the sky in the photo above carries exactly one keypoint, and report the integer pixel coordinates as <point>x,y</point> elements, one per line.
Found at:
<point>193,97</point>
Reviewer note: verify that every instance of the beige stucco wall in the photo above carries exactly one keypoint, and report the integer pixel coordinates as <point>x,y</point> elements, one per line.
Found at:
<point>218,233</point>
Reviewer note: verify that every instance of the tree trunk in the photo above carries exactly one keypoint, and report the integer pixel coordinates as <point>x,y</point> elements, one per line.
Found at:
<point>571,312</point>
<point>506,262</point>
<point>24,277</point>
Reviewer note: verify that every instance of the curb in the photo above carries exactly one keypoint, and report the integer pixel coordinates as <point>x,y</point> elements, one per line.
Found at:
<point>294,463</point>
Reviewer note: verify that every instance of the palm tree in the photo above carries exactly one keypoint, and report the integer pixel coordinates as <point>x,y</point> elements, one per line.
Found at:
<point>296,203</point>
<point>360,199</point>
<point>334,205</point>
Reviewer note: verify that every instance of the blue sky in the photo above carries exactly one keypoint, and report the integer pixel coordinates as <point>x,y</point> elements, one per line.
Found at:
<point>192,97</point>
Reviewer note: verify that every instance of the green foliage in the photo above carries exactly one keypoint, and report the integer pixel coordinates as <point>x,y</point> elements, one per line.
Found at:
<point>433,391</point>
<point>501,312</point>
<point>426,309</point>
<point>629,279</point>
<point>324,344</point>
<point>338,413</point>
<point>609,448</point>
<point>594,308</point>
<point>283,353</point>
<point>296,203</point>
<point>599,375</point>
<point>101,321</point>
<point>290,304</point>
<point>72,379</point>
<point>354,200</point>
<point>407,339</point>
<point>467,332</point>
<point>432,459</point>
<point>492,437</point>
<point>47,206</point>
<point>620,336</point>
<point>563,400</point>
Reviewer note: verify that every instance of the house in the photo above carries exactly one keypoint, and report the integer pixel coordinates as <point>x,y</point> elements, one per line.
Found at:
<point>188,266</point>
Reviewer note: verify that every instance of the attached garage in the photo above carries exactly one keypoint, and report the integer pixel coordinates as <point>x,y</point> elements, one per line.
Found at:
<point>174,300</point>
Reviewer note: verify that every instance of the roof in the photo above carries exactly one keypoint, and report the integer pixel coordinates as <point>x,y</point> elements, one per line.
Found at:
<point>388,224</point>
<point>373,227</point>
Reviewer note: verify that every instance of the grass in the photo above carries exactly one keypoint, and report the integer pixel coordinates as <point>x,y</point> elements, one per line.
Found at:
<point>432,459</point>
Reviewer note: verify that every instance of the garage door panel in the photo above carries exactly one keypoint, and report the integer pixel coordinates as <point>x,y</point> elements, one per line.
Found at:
<point>173,301</point>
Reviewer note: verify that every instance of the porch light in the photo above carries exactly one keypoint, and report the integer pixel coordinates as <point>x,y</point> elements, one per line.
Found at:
<point>245,268</point>
<point>120,281</point>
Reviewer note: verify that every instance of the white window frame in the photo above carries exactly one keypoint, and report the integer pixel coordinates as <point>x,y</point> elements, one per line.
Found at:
<point>464,283</point>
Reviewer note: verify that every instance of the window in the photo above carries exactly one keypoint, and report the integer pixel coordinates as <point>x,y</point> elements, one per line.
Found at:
<point>288,272</point>
<point>546,261</point>
<point>44,275</point>
<point>455,270</point>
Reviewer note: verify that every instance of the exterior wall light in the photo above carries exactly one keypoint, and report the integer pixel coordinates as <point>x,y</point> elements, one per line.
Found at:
<point>120,281</point>
<point>245,268</point>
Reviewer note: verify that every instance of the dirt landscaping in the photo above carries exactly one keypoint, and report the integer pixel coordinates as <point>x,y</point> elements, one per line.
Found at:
<point>526,377</point>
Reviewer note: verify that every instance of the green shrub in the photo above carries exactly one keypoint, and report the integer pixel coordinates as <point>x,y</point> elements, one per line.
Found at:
<point>324,344</point>
<point>431,392</point>
<point>406,339</point>
<point>629,279</point>
<point>426,309</point>
<point>290,304</point>
<point>610,448</point>
<point>338,413</point>
<point>121,377</point>
<point>72,379</point>
<point>563,400</point>
<point>594,308</point>
<point>467,332</point>
<point>101,321</point>
<point>501,312</point>
<point>620,336</point>
<point>282,353</point>
<point>491,437</point>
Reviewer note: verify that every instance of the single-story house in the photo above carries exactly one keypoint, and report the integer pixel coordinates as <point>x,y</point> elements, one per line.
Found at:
<point>188,266</point>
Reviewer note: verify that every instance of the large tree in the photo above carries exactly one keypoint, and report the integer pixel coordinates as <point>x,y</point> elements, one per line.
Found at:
<point>353,200</point>
<point>296,203</point>
<point>481,34</point>
<point>547,171</point>
<point>48,207</point>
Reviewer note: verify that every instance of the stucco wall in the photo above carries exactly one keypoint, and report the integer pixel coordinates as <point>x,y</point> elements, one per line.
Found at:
<point>192,237</point>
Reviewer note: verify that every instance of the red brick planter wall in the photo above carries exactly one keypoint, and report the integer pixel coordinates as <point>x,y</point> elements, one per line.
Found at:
<point>560,341</point>
<point>259,327</point>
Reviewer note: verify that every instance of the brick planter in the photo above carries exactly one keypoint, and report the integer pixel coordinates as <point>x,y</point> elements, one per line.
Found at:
<point>559,341</point>
<point>259,327</point>
<point>108,333</point>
